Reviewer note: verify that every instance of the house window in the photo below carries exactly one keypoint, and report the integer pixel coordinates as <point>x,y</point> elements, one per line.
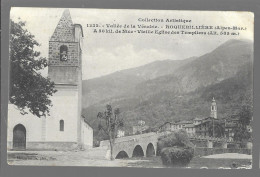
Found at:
<point>61,125</point>
<point>63,53</point>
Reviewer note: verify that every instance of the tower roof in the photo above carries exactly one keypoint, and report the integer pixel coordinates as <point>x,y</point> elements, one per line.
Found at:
<point>64,30</point>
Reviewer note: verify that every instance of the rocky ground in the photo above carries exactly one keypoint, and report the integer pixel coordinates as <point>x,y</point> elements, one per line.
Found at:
<point>64,158</point>
<point>96,158</point>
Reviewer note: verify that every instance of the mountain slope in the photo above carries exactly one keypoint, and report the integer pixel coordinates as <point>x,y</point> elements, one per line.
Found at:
<point>123,82</point>
<point>211,68</point>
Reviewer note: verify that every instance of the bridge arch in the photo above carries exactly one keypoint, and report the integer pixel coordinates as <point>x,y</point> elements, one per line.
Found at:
<point>150,150</point>
<point>138,151</point>
<point>122,155</point>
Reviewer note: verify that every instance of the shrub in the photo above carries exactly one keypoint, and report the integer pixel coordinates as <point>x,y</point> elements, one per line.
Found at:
<point>179,139</point>
<point>175,149</point>
<point>176,156</point>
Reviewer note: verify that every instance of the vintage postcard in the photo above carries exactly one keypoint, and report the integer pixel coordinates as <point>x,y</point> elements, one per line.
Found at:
<point>130,88</point>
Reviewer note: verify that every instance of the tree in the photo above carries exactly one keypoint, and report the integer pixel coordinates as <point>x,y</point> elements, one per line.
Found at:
<point>175,149</point>
<point>109,123</point>
<point>245,117</point>
<point>29,90</point>
<point>241,134</point>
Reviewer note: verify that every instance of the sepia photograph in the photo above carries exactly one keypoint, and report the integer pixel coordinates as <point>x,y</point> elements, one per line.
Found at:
<point>130,88</point>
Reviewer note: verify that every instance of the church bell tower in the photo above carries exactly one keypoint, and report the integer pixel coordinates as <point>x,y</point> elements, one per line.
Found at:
<point>213,112</point>
<point>65,52</point>
<point>65,70</point>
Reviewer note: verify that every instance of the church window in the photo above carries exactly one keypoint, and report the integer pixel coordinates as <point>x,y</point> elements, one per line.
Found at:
<point>61,125</point>
<point>63,53</point>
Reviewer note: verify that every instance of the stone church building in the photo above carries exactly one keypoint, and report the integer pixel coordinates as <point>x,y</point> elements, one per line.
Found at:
<point>64,128</point>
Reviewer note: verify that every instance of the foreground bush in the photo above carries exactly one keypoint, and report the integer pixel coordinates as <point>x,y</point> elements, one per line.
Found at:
<point>176,157</point>
<point>175,149</point>
<point>178,139</point>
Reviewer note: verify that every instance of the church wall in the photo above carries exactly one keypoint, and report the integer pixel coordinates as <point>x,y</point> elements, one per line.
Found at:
<point>65,107</point>
<point>86,134</point>
<point>64,74</point>
<point>32,124</point>
<point>51,145</point>
<point>44,133</point>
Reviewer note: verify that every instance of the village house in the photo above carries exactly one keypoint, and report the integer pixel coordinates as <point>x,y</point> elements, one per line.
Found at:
<point>165,127</point>
<point>184,123</point>
<point>120,133</point>
<point>173,126</point>
<point>202,129</point>
<point>197,121</point>
<point>190,129</point>
<point>230,125</point>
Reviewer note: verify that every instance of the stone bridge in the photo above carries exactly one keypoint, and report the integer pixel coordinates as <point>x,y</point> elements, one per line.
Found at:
<point>146,144</point>
<point>134,146</point>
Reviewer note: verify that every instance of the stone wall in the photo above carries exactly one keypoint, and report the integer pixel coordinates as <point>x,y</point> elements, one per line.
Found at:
<point>49,146</point>
<point>217,144</point>
<point>199,143</point>
<point>64,71</point>
<point>203,151</point>
<point>54,54</point>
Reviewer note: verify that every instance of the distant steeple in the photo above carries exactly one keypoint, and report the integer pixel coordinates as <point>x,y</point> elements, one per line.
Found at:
<point>213,109</point>
<point>64,29</point>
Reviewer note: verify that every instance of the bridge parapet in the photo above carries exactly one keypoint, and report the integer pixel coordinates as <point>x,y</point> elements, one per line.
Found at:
<point>146,143</point>
<point>208,138</point>
<point>132,138</point>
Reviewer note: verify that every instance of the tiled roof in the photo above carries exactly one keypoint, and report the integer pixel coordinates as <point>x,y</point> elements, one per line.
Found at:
<point>64,30</point>
<point>198,118</point>
<point>185,122</point>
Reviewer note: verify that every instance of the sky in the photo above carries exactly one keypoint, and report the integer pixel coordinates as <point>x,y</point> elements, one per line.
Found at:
<point>107,53</point>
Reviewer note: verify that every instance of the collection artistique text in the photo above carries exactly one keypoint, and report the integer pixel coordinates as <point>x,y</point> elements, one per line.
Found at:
<point>163,20</point>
